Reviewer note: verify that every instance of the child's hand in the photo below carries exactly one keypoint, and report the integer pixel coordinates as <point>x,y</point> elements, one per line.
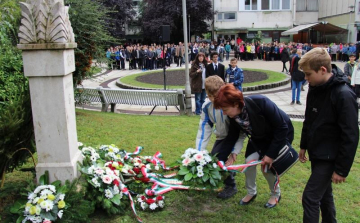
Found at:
<point>231,159</point>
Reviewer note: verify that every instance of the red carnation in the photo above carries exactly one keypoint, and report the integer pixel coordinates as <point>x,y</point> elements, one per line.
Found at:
<point>150,201</point>
<point>143,197</point>
<point>159,198</point>
<point>116,182</point>
<point>136,170</point>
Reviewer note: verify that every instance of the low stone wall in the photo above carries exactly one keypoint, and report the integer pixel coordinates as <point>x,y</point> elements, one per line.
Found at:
<point>245,89</point>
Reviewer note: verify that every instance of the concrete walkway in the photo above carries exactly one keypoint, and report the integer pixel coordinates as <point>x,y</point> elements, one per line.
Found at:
<point>281,96</point>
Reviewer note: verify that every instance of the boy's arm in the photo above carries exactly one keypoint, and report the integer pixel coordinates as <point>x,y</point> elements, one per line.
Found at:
<point>347,110</point>
<point>204,131</point>
<point>239,79</point>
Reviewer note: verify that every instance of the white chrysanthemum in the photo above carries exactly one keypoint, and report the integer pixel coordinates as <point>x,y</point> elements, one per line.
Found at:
<point>80,144</point>
<point>207,158</point>
<point>148,166</point>
<point>39,188</point>
<point>43,204</point>
<point>52,188</point>
<point>215,165</point>
<point>153,206</point>
<point>199,168</point>
<point>106,179</point>
<point>143,205</point>
<point>103,147</point>
<point>90,170</point>
<point>108,194</point>
<point>31,196</point>
<point>121,195</point>
<point>43,197</point>
<point>200,174</point>
<point>139,199</point>
<point>49,205</point>
<point>109,172</point>
<point>38,209</point>
<point>95,181</point>
<point>35,200</point>
<point>93,158</point>
<point>161,204</point>
<point>115,164</point>
<point>202,162</point>
<point>111,154</point>
<point>122,186</point>
<point>61,196</point>
<point>157,167</point>
<point>46,192</point>
<point>116,150</point>
<point>60,213</point>
<point>205,152</point>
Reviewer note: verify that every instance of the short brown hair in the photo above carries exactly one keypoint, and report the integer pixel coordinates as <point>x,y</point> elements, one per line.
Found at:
<point>229,96</point>
<point>213,84</point>
<point>315,59</point>
<point>233,59</point>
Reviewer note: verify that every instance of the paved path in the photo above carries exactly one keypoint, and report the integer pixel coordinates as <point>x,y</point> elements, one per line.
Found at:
<point>281,96</point>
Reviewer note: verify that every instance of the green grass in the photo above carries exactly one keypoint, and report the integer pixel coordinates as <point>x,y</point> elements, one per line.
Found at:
<point>172,135</point>
<point>131,79</point>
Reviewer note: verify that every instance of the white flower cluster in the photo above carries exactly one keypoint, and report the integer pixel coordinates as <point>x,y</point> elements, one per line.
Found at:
<point>42,200</point>
<point>108,178</point>
<point>92,152</point>
<point>111,151</point>
<point>151,203</point>
<point>200,158</point>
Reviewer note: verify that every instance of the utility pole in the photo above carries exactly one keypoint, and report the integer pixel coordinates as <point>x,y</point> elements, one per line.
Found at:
<point>351,11</point>
<point>188,108</point>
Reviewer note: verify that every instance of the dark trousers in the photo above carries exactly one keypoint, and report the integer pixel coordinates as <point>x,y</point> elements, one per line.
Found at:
<point>318,194</point>
<point>284,67</point>
<point>122,62</point>
<point>223,148</point>
<point>179,61</point>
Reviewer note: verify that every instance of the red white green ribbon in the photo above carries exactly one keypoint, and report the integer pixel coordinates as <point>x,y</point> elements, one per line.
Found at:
<point>126,192</point>
<point>136,152</point>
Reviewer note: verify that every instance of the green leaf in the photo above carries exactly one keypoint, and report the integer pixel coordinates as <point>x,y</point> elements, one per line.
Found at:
<point>216,175</point>
<point>183,172</point>
<point>20,219</point>
<point>18,206</point>
<point>116,199</point>
<point>49,215</point>
<point>205,177</point>
<point>206,170</point>
<point>56,183</point>
<point>188,177</point>
<point>193,169</point>
<point>212,182</point>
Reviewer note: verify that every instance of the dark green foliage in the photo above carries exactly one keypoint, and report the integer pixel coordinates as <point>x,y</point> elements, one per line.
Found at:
<point>16,127</point>
<point>88,19</point>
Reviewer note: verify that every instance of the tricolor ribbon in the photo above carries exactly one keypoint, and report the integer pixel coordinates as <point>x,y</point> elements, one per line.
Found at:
<point>156,160</point>
<point>136,152</point>
<point>126,192</point>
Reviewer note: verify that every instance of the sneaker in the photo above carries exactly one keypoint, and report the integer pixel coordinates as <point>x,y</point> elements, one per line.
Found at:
<point>299,103</point>
<point>293,102</point>
<point>228,192</point>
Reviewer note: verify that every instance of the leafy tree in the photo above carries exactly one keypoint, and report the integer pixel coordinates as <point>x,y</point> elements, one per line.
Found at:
<point>160,12</point>
<point>88,20</point>
<point>121,11</point>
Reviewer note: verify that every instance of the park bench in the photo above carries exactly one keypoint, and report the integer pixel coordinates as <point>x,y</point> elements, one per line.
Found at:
<point>112,97</point>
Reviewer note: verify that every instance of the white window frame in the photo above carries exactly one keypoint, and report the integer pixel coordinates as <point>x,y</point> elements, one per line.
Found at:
<point>223,17</point>
<point>242,6</point>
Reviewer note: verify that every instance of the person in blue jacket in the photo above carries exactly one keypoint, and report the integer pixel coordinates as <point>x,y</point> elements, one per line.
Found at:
<point>234,74</point>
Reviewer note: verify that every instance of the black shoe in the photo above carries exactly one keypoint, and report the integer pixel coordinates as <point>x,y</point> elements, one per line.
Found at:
<point>299,103</point>
<point>228,192</point>
<point>246,203</point>
<point>268,205</point>
<point>293,102</point>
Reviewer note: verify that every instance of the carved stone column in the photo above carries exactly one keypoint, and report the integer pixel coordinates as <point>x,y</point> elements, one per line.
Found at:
<point>47,42</point>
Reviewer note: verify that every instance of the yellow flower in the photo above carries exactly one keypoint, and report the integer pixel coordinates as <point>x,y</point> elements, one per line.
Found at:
<point>111,150</point>
<point>40,200</point>
<point>61,204</point>
<point>28,205</point>
<point>32,210</point>
<point>51,197</point>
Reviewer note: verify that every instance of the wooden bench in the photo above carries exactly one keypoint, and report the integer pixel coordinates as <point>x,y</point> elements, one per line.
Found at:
<point>112,97</point>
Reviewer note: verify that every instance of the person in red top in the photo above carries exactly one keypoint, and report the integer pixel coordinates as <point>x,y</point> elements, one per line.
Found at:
<point>238,41</point>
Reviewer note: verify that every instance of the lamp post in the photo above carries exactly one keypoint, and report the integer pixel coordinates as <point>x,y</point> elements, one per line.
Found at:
<point>187,78</point>
<point>351,10</point>
<point>189,30</point>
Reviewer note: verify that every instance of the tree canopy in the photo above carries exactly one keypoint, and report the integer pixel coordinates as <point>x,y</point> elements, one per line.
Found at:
<point>155,13</point>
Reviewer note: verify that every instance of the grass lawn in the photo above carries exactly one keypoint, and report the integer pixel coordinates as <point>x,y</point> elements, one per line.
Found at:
<point>172,135</point>
<point>131,79</point>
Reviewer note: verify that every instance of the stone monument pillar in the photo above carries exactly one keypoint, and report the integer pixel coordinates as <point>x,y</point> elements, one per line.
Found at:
<point>47,44</point>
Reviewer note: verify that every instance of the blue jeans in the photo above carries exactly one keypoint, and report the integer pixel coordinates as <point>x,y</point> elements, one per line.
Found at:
<point>227,55</point>
<point>296,85</point>
<point>199,101</point>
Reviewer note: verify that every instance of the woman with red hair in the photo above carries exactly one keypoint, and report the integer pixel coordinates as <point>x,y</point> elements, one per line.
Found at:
<point>269,130</point>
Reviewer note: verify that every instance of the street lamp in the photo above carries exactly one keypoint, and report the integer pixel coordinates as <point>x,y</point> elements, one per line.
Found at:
<point>189,30</point>
<point>351,11</point>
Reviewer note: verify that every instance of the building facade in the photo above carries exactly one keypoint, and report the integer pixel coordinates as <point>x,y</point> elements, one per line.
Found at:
<point>248,19</point>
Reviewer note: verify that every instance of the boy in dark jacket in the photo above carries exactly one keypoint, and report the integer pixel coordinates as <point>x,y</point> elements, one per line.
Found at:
<point>330,134</point>
<point>234,74</point>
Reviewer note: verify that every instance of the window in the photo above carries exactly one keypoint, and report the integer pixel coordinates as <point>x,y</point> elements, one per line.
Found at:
<point>276,5</point>
<point>265,4</point>
<point>229,15</point>
<point>251,34</point>
<point>226,16</point>
<point>307,5</point>
<point>285,4</point>
<point>265,34</point>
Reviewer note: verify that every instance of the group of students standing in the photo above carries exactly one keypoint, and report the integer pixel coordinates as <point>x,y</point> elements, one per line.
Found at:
<point>329,136</point>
